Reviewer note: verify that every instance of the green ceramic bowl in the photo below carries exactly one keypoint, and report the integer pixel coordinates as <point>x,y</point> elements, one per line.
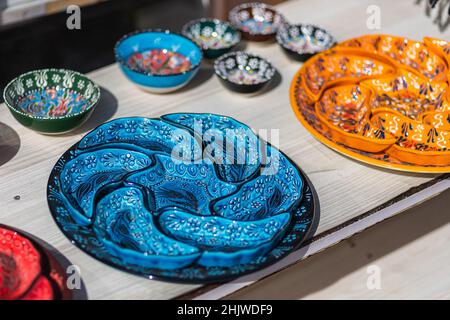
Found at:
<point>214,36</point>
<point>51,101</point>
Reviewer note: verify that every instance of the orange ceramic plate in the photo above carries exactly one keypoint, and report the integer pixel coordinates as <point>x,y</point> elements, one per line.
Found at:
<point>406,154</point>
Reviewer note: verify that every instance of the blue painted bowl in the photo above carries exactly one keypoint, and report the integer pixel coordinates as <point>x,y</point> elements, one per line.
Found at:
<point>158,61</point>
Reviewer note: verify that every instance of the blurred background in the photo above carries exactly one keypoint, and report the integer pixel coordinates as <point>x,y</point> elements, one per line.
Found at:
<point>33,33</point>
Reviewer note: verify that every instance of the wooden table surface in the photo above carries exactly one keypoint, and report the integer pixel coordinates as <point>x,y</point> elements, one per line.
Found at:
<point>353,196</point>
<point>413,264</point>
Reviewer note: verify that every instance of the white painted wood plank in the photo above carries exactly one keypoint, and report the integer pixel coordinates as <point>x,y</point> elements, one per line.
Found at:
<point>410,251</point>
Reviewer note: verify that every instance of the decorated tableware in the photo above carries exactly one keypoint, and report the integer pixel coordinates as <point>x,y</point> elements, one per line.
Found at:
<point>214,36</point>
<point>414,56</point>
<point>440,47</point>
<point>51,101</point>
<point>27,270</point>
<point>338,65</point>
<point>244,72</point>
<point>162,199</point>
<point>391,111</point>
<point>345,111</point>
<point>158,61</point>
<point>256,21</point>
<point>302,41</point>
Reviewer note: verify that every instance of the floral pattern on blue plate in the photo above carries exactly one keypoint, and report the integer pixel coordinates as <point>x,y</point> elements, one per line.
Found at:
<point>145,196</point>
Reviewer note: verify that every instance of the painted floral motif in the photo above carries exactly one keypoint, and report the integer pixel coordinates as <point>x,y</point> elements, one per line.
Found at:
<point>304,39</point>
<point>52,93</point>
<point>244,68</point>
<point>159,62</point>
<point>324,70</point>
<point>211,34</point>
<point>256,18</point>
<point>414,55</point>
<point>345,107</point>
<point>52,102</point>
<point>395,113</point>
<point>121,197</point>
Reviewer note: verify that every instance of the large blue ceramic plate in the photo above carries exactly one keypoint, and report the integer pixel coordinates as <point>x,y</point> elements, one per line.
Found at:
<point>186,198</point>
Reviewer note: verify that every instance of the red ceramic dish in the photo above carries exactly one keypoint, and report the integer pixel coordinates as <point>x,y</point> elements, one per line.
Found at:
<point>27,271</point>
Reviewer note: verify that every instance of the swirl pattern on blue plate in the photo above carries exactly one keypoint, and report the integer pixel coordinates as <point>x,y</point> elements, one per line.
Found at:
<point>187,197</point>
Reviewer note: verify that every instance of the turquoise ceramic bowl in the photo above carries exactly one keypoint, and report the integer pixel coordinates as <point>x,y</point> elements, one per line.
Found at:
<point>51,101</point>
<point>158,61</point>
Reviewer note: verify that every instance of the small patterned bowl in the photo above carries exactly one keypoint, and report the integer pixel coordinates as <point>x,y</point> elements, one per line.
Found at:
<point>244,72</point>
<point>302,41</point>
<point>158,61</point>
<point>256,21</point>
<point>214,36</point>
<point>51,101</point>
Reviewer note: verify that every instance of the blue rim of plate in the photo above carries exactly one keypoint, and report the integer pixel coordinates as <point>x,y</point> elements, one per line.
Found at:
<point>303,220</point>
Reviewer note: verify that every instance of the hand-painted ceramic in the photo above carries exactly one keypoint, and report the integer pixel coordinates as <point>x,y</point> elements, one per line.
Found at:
<point>370,99</point>
<point>158,61</point>
<point>214,36</point>
<point>149,197</point>
<point>244,72</point>
<point>256,21</point>
<point>440,47</point>
<point>302,41</point>
<point>414,56</point>
<point>27,270</point>
<point>51,101</point>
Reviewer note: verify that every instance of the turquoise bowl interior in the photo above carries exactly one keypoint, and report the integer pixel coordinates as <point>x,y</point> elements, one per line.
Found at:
<point>51,100</point>
<point>158,61</point>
